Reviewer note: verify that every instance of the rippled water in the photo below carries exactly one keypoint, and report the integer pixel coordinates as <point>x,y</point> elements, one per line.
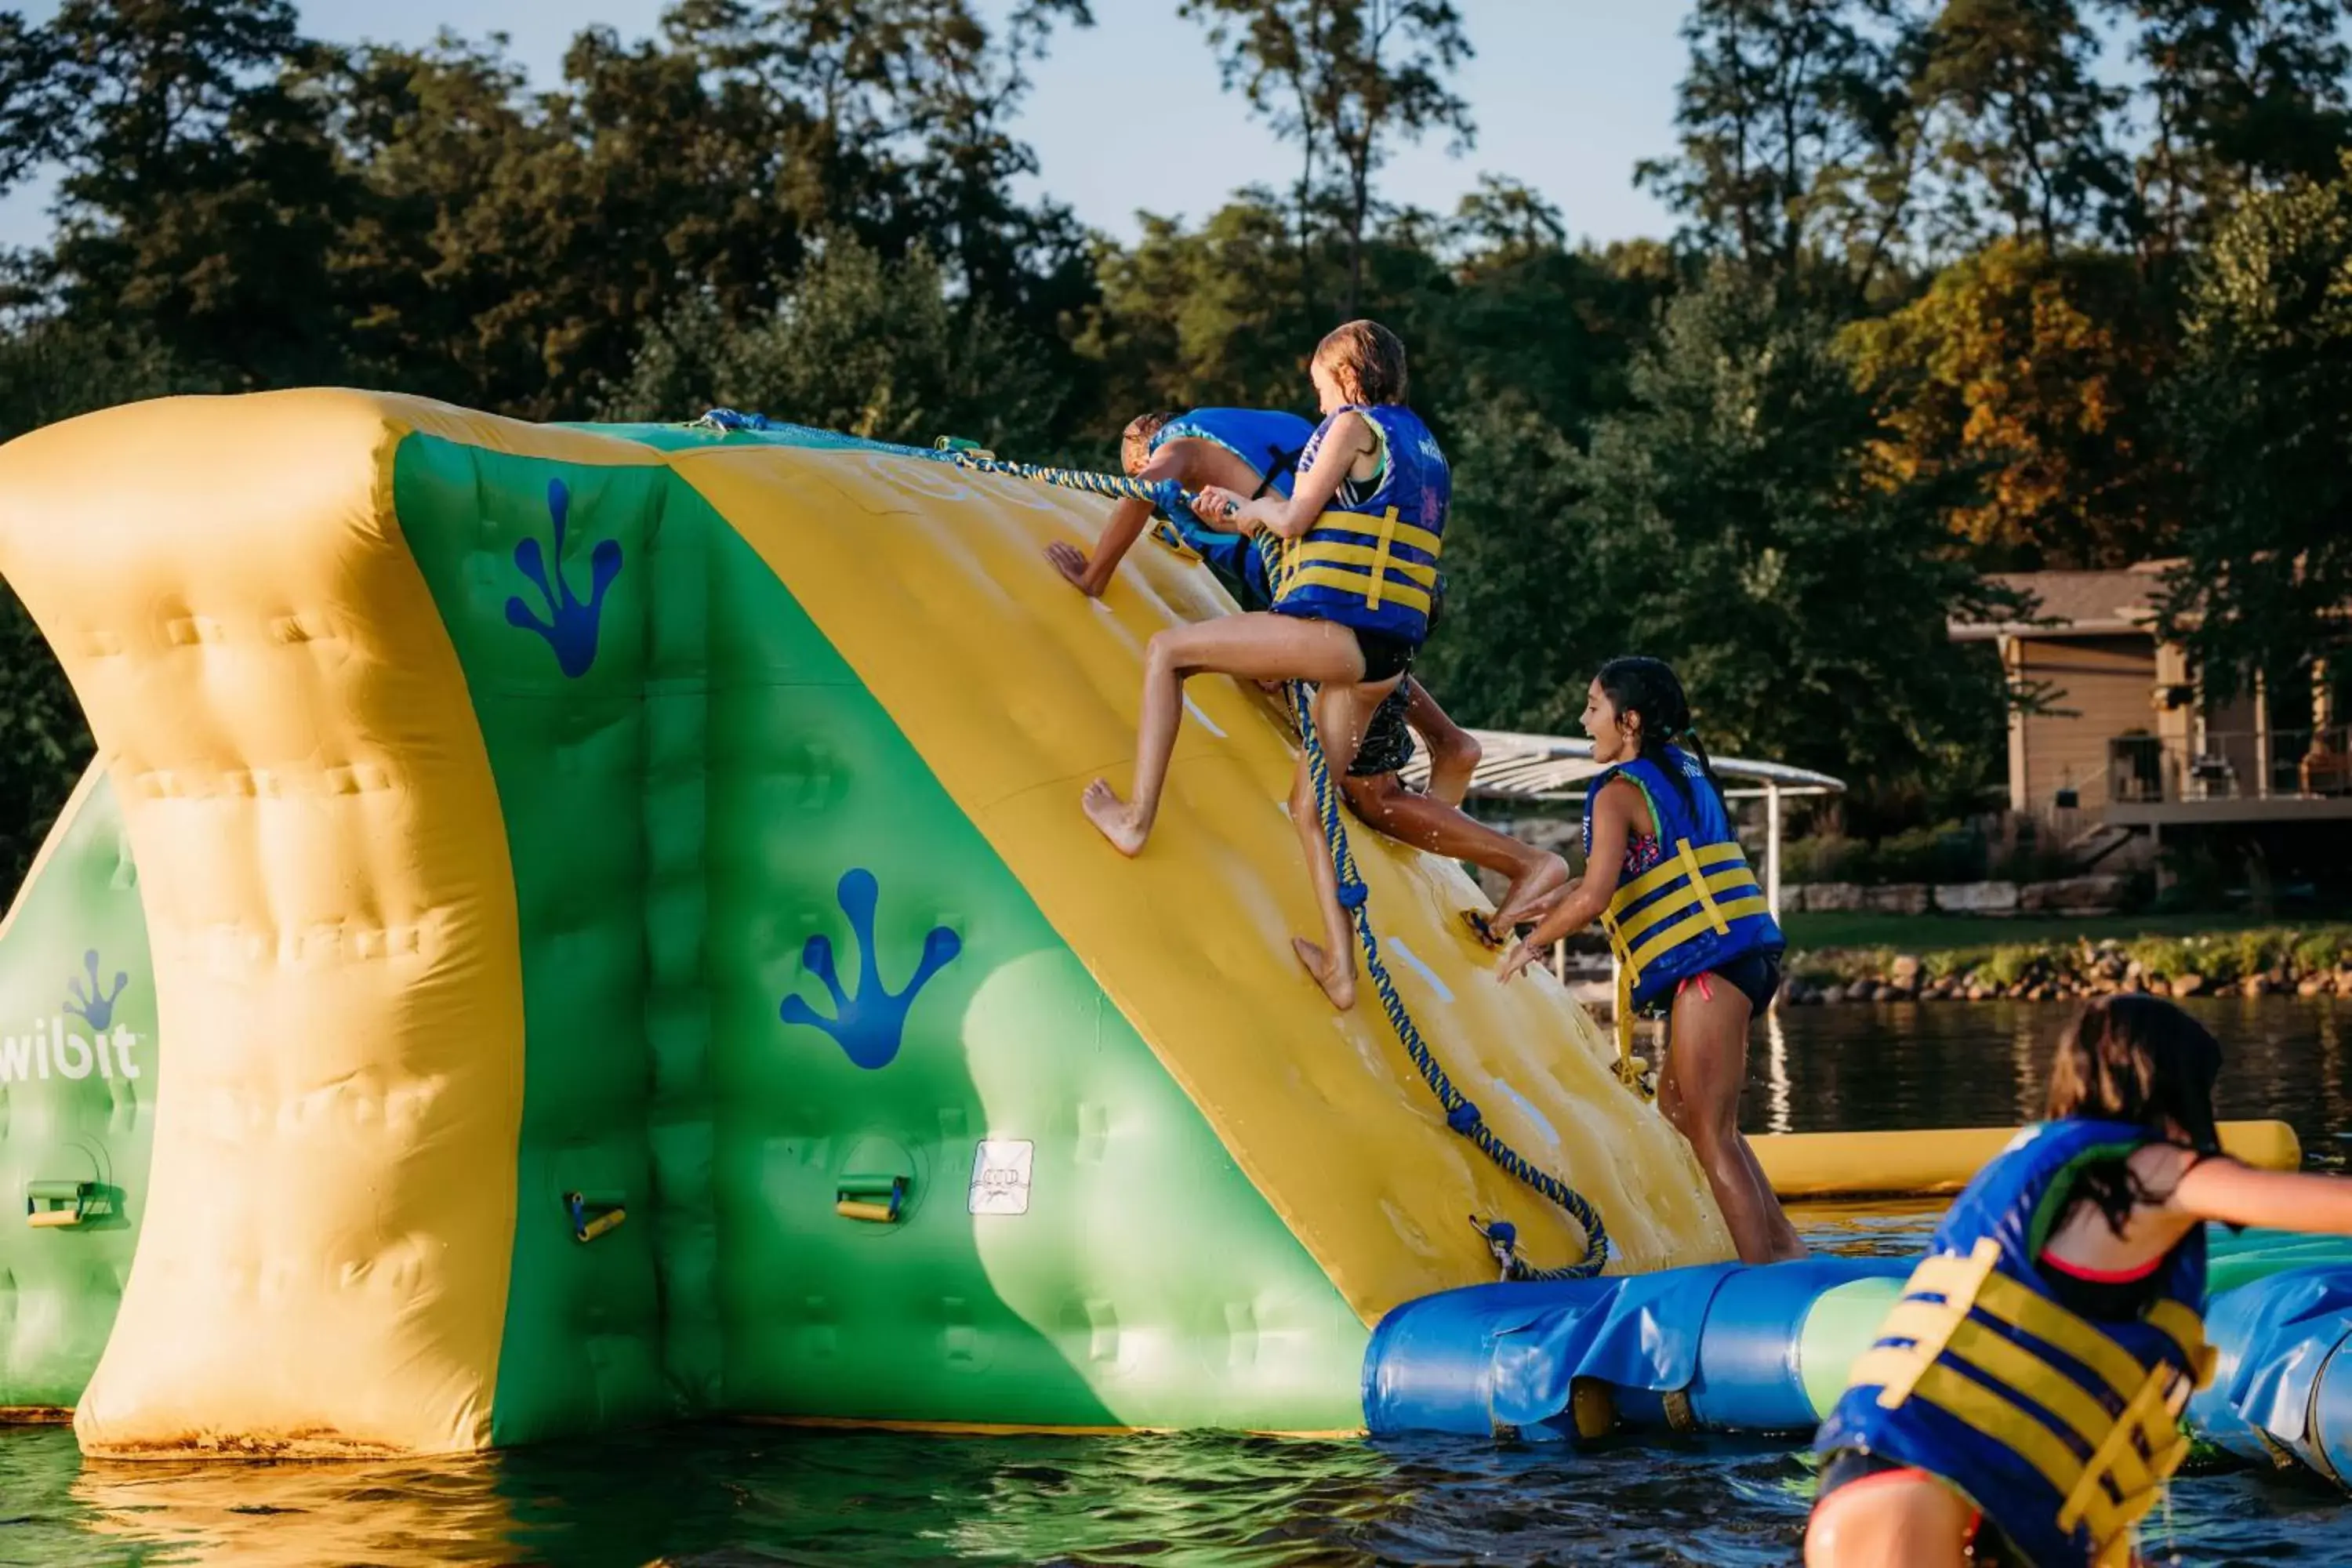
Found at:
<point>737,1495</point>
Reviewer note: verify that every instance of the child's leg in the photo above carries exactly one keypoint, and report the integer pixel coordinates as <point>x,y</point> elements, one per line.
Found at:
<point>1258,647</point>
<point>1339,714</point>
<point>1905,1516</point>
<point>1427,823</point>
<point>1698,1092</point>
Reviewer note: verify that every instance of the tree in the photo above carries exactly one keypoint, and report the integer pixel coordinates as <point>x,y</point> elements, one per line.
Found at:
<point>199,196</point>
<point>2244,92</point>
<point>1342,79</point>
<point>34,114</point>
<point>1798,132</point>
<point>1735,522</point>
<point>2041,372</point>
<point>2264,400</point>
<point>2023,121</point>
<point>860,344</point>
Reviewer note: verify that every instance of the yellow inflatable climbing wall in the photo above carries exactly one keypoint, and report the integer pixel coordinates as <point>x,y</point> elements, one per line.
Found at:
<point>621,942</point>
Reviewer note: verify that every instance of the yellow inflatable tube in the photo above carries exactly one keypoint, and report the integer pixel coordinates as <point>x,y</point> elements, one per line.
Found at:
<point>1943,1159</point>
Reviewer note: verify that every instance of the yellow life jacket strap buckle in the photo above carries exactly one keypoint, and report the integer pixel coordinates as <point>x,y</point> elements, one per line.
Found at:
<point>2152,1421</point>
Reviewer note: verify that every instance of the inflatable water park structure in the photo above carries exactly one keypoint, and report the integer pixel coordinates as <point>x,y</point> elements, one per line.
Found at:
<point>571,927</point>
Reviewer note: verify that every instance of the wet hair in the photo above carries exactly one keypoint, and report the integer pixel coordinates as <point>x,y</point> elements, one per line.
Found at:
<point>1141,430</point>
<point>1370,356</point>
<point>2142,1060</point>
<point>1637,684</point>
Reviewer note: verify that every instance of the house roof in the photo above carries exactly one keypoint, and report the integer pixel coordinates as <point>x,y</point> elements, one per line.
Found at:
<point>2075,604</point>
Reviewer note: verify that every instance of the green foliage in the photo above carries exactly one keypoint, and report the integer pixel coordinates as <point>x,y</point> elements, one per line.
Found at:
<point>2264,406</point>
<point>1799,131</point>
<point>1343,80</point>
<point>2040,371</point>
<point>871,347</point>
<point>1735,521</point>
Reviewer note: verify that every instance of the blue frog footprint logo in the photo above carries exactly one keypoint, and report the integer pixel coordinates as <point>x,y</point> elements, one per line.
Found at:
<point>93,1007</point>
<point>570,627</point>
<point>867,1026</point>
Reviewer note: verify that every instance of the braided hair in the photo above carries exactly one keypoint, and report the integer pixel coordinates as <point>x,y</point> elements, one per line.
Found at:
<point>1637,684</point>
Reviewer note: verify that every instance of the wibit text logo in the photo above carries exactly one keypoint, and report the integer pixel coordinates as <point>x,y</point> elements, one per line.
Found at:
<point>50,1048</point>
<point>867,1026</point>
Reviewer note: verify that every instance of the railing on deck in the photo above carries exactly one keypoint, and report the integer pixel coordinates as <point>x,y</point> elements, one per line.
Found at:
<point>2231,765</point>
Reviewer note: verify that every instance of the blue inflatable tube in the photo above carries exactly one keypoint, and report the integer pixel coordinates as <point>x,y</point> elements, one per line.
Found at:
<point>1765,1349</point>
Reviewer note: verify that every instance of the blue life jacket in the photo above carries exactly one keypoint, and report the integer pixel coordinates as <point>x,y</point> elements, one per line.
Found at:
<point>1698,909</point>
<point>2061,1428</point>
<point>1269,442</point>
<point>1372,563</point>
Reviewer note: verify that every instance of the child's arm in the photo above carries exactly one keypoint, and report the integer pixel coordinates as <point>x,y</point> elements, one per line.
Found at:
<point>1453,753</point>
<point>1351,437</point>
<point>2224,1190</point>
<point>1091,575</point>
<point>1612,822</point>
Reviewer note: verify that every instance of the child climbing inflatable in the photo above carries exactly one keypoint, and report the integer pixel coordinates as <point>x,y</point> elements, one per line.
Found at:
<point>1693,936</point>
<point>1363,528</point>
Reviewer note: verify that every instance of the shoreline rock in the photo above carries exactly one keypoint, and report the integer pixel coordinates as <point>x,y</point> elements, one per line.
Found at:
<point>2310,963</point>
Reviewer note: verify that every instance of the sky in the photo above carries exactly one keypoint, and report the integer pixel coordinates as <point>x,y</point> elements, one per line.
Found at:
<point>1568,95</point>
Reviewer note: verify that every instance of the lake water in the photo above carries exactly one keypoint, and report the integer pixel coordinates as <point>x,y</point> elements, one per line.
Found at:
<point>733,1496</point>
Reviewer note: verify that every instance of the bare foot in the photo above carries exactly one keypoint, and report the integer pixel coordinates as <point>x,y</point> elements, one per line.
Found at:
<point>1531,896</point>
<point>1338,980</point>
<point>1114,818</point>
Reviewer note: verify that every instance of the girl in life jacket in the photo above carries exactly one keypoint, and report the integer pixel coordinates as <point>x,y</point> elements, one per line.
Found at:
<point>1361,531</point>
<point>2022,1401</point>
<point>1666,878</point>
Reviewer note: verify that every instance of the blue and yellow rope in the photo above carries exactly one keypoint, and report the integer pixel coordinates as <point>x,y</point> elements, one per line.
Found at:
<point>1462,1113</point>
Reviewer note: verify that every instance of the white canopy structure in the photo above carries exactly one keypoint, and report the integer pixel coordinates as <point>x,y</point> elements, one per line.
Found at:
<point>1554,768</point>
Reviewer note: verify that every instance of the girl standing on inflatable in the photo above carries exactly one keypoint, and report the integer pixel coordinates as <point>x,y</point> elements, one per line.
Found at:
<point>1665,876</point>
<point>2023,1403</point>
<point>1362,530</point>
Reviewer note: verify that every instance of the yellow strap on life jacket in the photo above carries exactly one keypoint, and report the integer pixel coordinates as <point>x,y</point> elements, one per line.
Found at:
<point>1639,940</point>
<point>2132,1453</point>
<point>1369,568</point>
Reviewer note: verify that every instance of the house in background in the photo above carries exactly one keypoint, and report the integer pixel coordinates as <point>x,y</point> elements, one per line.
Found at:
<point>2131,742</point>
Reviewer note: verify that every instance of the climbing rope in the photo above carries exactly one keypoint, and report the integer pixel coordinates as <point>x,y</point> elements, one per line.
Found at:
<point>1462,1113</point>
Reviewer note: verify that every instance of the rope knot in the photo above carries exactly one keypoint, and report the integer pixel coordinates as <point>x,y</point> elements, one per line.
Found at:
<point>1352,896</point>
<point>1464,1117</point>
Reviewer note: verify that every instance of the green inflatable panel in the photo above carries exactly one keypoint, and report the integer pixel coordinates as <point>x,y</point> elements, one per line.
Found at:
<point>708,818</point>
<point>77,1084</point>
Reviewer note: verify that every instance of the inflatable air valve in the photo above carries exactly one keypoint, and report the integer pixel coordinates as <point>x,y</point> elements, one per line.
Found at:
<point>593,1217</point>
<point>875,1198</point>
<point>76,1195</point>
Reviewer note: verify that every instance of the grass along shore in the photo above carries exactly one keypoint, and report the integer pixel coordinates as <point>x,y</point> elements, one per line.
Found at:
<point>2254,960</point>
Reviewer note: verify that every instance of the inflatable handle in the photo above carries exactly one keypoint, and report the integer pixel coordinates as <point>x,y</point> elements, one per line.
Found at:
<point>593,1217</point>
<point>873,1198</point>
<point>38,1192</point>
